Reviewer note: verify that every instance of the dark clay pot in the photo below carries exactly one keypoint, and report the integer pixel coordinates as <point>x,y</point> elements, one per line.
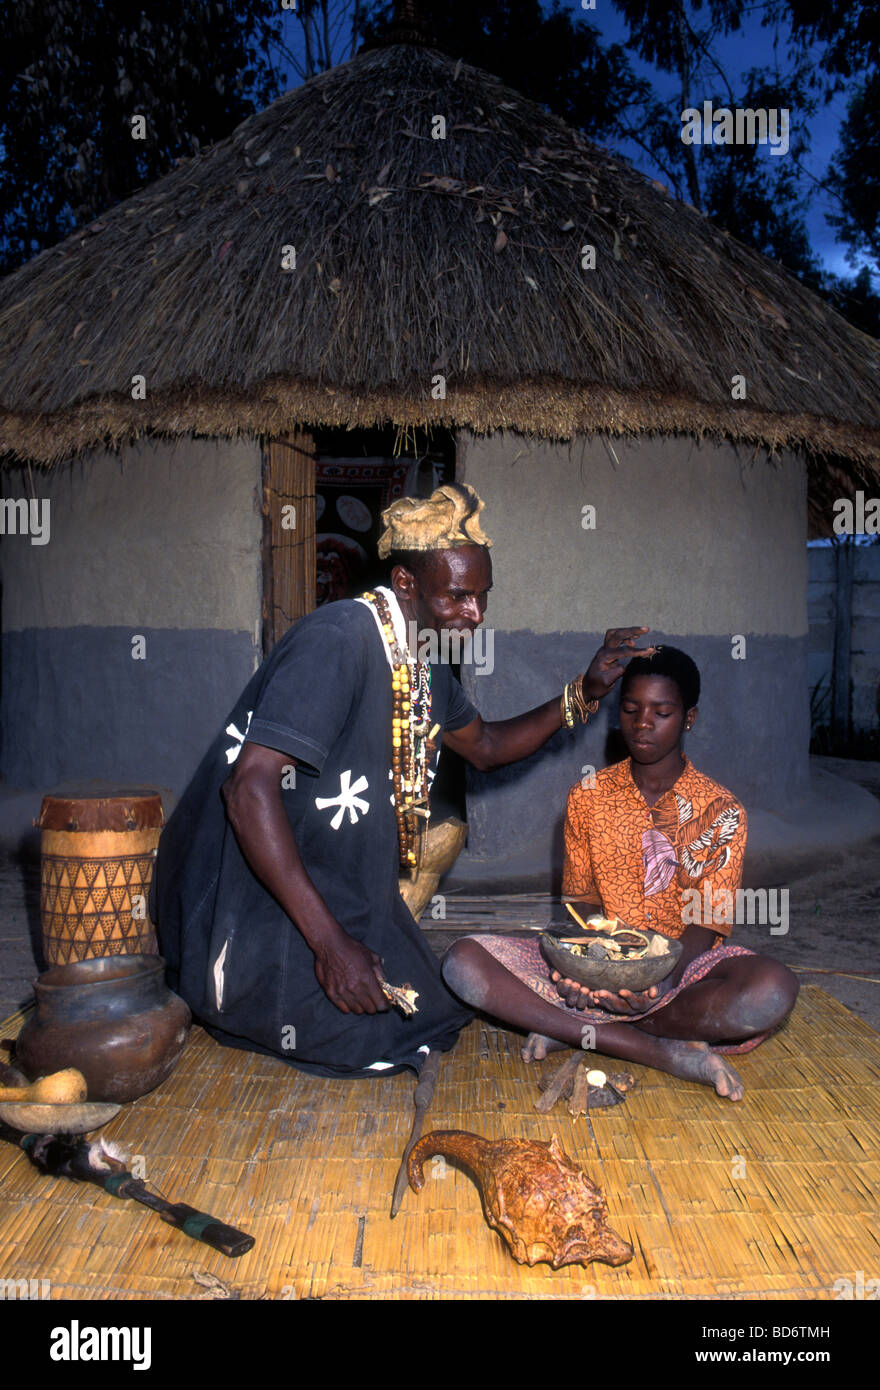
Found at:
<point>113,1017</point>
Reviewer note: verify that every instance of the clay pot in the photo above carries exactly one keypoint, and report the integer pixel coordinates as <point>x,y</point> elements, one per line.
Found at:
<point>114,1018</point>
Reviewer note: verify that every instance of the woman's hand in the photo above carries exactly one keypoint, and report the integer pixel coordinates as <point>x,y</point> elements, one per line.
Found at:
<point>626,1002</point>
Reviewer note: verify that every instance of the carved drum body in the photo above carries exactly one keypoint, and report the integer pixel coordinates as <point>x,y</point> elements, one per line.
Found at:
<point>96,865</point>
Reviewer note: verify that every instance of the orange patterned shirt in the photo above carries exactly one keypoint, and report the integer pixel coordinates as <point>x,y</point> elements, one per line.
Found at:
<point>640,861</point>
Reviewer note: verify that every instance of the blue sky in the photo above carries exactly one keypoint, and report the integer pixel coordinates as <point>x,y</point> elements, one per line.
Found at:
<point>750,48</point>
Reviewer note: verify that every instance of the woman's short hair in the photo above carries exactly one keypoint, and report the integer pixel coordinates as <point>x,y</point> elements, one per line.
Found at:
<point>676,665</point>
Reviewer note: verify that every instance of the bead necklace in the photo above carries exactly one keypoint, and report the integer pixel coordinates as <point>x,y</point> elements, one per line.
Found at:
<point>412,740</point>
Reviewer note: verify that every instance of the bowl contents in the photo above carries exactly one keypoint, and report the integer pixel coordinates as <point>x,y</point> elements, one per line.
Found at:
<point>607,938</point>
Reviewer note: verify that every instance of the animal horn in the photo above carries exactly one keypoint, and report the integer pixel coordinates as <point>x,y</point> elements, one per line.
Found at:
<point>452,1143</point>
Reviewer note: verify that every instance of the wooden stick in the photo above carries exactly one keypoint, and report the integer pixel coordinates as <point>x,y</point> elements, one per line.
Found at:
<point>561,1076</point>
<point>422,1096</point>
<point>577,917</point>
<point>578,1103</point>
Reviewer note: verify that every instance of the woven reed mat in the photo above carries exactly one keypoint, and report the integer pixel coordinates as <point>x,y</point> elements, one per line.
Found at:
<point>773,1197</point>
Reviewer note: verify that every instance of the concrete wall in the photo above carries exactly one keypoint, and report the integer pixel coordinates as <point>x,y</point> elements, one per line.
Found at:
<point>864,629</point>
<point>695,540</point>
<point>161,542</point>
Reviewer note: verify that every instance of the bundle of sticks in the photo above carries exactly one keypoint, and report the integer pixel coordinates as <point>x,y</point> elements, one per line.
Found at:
<point>586,1087</point>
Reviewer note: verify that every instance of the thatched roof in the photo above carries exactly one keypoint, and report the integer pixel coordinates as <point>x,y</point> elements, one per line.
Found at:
<point>417,256</point>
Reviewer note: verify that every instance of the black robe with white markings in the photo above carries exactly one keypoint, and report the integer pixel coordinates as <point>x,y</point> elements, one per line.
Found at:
<point>324,696</point>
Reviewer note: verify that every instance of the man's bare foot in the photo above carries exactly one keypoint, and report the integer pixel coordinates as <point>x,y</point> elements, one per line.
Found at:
<point>693,1061</point>
<point>537,1046</point>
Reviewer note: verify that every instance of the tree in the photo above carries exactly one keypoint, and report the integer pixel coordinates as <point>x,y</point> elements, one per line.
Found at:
<point>842,38</point>
<point>752,195</point>
<point>848,30</point>
<point>666,36</point>
<point>76,74</point>
<point>329,31</point>
<point>856,299</point>
<point>815,45</point>
<point>855,174</point>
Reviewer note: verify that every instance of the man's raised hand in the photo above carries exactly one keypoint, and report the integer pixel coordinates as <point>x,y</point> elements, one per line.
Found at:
<point>610,661</point>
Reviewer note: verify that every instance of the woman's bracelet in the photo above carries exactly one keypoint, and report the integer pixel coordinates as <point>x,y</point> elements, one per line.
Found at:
<point>574,703</point>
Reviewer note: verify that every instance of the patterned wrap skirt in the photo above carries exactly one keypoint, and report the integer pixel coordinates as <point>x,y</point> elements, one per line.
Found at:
<point>522,957</point>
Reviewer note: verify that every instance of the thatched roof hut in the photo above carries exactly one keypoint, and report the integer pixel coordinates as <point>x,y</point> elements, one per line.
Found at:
<point>417,256</point>
<point>333,264</point>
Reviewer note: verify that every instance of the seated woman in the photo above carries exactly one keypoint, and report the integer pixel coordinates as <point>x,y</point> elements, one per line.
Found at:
<point>650,829</point>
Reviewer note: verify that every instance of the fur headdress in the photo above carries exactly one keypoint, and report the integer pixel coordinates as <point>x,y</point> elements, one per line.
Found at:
<point>449,518</point>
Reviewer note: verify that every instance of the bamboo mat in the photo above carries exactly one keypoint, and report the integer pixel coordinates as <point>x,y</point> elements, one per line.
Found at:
<point>770,1198</point>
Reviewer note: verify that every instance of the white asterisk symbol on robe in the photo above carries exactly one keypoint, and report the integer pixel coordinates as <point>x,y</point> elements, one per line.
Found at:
<point>347,800</point>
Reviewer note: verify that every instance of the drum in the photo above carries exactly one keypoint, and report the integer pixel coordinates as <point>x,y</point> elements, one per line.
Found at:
<point>97,853</point>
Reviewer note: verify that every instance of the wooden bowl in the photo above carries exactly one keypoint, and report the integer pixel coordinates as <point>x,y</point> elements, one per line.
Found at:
<point>610,974</point>
<point>32,1118</point>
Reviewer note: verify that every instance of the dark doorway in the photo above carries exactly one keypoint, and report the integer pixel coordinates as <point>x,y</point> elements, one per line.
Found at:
<point>358,473</point>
